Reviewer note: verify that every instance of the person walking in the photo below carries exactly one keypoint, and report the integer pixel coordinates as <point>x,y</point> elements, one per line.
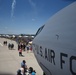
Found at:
<point>20,71</point>
<point>19,46</point>
<point>31,48</point>
<point>20,52</point>
<point>23,64</point>
<point>9,45</point>
<point>27,48</point>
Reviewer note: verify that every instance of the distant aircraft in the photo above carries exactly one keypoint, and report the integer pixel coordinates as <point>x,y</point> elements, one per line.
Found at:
<point>55,43</point>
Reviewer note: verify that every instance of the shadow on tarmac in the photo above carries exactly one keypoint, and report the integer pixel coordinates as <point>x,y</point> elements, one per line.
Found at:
<point>6,74</point>
<point>22,56</point>
<point>12,49</point>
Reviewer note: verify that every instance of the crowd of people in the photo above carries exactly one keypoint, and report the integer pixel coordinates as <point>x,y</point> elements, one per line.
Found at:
<point>24,47</point>
<point>21,47</point>
<point>24,70</point>
<point>10,46</point>
<point>5,42</point>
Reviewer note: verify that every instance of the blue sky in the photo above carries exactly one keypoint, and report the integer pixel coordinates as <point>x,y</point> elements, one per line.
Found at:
<point>26,16</point>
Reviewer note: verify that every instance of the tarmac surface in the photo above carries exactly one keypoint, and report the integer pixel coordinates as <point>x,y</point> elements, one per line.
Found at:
<point>10,60</point>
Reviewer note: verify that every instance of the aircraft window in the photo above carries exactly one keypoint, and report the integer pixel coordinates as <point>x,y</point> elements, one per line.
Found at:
<point>39,30</point>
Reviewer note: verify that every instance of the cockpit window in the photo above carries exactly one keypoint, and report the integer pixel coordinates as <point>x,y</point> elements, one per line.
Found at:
<point>39,30</point>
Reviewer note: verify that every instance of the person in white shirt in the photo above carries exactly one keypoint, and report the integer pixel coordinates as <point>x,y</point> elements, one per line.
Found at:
<point>22,70</point>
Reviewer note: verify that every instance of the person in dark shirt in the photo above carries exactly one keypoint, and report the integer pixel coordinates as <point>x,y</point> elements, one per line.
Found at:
<point>30,70</point>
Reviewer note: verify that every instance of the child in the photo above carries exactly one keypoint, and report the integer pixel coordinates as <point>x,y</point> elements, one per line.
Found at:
<point>33,73</point>
<point>20,52</point>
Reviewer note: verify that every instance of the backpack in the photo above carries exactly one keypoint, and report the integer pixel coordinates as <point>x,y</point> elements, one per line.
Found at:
<point>19,72</point>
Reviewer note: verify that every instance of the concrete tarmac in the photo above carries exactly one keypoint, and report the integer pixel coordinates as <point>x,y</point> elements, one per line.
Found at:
<point>10,60</point>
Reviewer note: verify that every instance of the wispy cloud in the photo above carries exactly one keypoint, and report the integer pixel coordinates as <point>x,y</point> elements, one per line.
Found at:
<point>13,7</point>
<point>32,3</point>
<point>33,19</point>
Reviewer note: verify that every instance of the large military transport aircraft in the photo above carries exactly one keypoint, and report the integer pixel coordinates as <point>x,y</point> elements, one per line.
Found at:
<point>55,43</point>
